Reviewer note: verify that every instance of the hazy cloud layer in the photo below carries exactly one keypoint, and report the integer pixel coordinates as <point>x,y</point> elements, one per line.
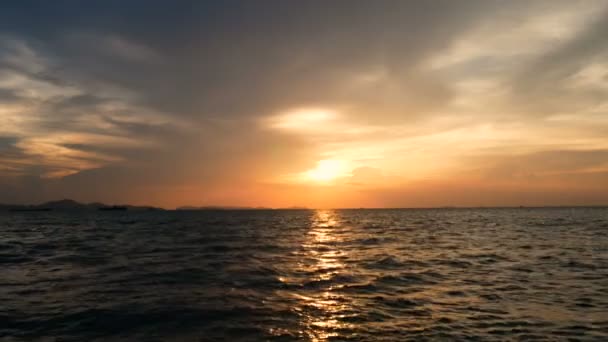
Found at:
<point>341,103</point>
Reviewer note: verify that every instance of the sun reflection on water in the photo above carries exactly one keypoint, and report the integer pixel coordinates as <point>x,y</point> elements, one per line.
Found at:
<point>320,309</point>
<point>343,276</point>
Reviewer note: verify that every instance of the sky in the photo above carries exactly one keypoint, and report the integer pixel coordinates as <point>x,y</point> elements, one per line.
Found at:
<point>305,103</point>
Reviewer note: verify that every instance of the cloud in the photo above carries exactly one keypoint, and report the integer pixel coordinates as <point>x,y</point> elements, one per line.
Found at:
<point>565,78</point>
<point>58,128</point>
<point>214,98</point>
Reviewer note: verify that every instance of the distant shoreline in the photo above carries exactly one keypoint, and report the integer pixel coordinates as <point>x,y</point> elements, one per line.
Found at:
<point>71,205</point>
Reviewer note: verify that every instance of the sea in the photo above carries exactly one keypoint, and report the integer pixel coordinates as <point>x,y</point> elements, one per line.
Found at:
<point>305,275</point>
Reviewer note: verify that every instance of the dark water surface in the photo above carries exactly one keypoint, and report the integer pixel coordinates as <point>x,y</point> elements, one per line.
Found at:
<point>361,275</point>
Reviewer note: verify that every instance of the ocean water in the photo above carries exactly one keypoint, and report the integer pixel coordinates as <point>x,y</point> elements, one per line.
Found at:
<point>345,275</point>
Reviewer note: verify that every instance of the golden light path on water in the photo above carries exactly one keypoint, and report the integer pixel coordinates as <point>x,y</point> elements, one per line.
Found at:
<point>322,310</point>
<point>331,286</point>
<point>321,246</point>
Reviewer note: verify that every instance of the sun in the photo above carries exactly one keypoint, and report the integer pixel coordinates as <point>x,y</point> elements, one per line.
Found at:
<point>326,171</point>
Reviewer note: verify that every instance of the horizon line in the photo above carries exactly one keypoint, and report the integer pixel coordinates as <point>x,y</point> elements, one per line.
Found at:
<point>245,207</point>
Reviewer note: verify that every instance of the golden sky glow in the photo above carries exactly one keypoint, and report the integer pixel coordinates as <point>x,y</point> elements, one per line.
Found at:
<point>326,171</point>
<point>382,104</point>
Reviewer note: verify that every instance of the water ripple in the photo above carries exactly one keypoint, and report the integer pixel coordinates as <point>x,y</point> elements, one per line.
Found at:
<point>386,275</point>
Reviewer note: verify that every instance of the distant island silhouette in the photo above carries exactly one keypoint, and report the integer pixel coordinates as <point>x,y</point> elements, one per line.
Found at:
<point>219,207</point>
<point>71,205</point>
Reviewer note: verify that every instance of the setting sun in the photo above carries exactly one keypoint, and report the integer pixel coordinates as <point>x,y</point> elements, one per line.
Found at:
<point>303,170</point>
<point>326,170</point>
